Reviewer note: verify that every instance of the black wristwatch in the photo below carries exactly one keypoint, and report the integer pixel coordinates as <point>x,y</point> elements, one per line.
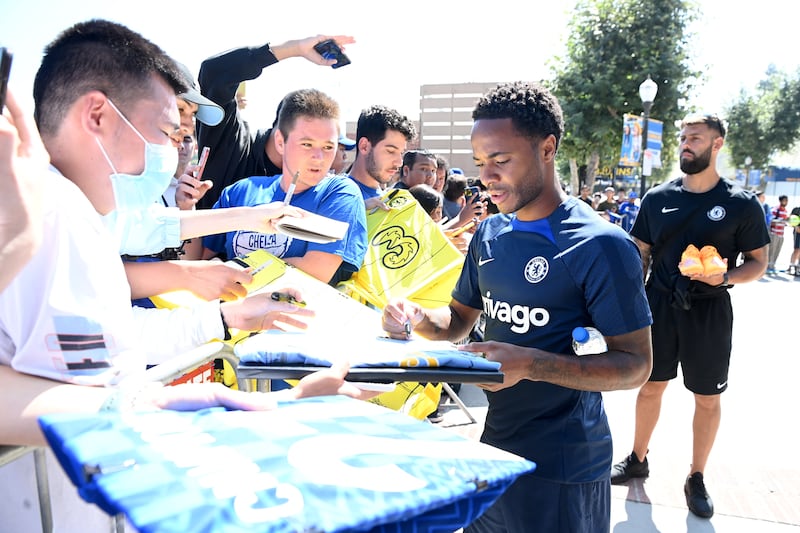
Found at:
<point>725,282</point>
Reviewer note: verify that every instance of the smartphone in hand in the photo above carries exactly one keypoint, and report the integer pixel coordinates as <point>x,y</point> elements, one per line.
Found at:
<point>5,70</point>
<point>472,194</point>
<point>328,49</point>
<point>201,163</point>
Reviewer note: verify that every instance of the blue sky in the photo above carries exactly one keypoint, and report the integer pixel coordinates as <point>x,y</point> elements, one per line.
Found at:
<point>400,46</point>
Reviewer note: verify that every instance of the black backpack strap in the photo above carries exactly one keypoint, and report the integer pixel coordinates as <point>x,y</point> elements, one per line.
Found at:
<point>682,226</point>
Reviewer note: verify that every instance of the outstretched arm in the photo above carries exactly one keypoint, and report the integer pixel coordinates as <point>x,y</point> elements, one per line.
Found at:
<point>209,280</point>
<point>25,398</point>
<point>221,74</point>
<point>626,364</point>
<point>254,218</point>
<point>305,48</point>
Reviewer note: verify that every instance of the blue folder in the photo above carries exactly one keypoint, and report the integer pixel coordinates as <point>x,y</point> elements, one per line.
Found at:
<point>318,464</point>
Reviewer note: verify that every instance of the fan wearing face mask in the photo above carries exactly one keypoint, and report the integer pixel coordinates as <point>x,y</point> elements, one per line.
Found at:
<point>106,109</point>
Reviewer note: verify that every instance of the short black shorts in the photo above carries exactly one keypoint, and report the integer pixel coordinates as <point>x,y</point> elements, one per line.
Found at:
<point>698,339</point>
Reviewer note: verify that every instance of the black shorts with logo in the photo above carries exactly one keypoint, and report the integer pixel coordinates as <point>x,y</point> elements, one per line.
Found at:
<point>699,339</point>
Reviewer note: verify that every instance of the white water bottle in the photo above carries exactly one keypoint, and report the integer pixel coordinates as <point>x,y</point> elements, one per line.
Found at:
<point>587,341</point>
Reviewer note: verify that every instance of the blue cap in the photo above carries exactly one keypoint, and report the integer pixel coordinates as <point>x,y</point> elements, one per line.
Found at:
<point>456,170</point>
<point>347,142</point>
<point>208,112</point>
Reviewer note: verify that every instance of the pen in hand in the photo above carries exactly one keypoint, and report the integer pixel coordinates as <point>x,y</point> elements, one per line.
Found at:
<point>290,192</point>
<point>461,229</point>
<point>389,196</point>
<point>407,327</point>
<point>284,297</point>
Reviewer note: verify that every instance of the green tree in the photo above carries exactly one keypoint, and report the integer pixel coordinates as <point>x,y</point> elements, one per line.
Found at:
<point>613,46</point>
<point>762,124</point>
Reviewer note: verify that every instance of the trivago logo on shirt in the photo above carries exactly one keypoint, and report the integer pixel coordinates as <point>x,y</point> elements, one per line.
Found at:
<point>244,242</point>
<point>521,317</point>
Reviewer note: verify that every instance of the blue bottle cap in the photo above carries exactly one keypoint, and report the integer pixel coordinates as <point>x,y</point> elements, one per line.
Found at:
<point>580,334</point>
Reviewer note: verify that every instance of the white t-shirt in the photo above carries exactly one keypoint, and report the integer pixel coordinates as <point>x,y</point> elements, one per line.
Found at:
<point>67,315</point>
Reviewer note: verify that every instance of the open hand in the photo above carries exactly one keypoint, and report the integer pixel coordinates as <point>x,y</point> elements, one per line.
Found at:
<point>259,312</point>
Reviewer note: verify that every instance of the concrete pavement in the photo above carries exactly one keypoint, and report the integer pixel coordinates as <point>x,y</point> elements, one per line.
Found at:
<point>753,474</point>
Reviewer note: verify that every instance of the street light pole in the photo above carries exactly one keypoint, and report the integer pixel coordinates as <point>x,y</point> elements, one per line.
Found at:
<point>647,92</point>
<point>747,162</point>
<point>643,184</point>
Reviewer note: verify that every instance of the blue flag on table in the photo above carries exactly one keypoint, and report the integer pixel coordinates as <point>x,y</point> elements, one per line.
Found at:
<point>299,348</point>
<point>318,464</point>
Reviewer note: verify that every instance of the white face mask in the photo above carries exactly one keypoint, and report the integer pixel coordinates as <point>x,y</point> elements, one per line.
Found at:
<point>135,192</point>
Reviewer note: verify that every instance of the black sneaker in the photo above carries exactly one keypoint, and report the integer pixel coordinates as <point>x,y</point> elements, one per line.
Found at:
<point>697,498</point>
<point>629,468</point>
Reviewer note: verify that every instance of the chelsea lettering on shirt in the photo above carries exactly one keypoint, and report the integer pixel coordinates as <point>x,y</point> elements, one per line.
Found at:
<point>333,197</point>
